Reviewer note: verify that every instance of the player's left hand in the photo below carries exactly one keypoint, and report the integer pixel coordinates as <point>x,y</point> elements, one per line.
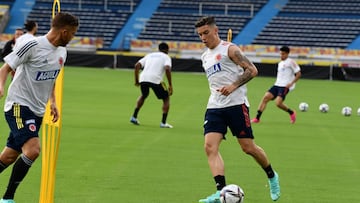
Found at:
<point>1,92</point>
<point>54,112</point>
<point>226,90</point>
<point>170,90</point>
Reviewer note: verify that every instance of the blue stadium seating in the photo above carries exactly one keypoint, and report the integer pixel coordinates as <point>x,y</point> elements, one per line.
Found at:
<point>174,19</point>
<point>313,23</point>
<point>96,19</point>
<point>7,2</point>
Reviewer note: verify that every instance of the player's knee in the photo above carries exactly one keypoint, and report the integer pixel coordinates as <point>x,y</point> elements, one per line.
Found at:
<point>279,101</point>
<point>32,153</point>
<point>248,149</point>
<point>8,160</point>
<point>210,149</point>
<point>144,96</point>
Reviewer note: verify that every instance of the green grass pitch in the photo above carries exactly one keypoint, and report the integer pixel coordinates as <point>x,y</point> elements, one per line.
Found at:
<point>104,158</point>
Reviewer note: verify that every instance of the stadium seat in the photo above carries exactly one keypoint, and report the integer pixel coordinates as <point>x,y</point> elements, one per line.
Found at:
<point>96,19</point>
<point>314,24</point>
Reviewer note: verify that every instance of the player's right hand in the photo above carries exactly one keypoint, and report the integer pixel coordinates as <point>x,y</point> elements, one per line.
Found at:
<point>170,90</point>
<point>1,92</point>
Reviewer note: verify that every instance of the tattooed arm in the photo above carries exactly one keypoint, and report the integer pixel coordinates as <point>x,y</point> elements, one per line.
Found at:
<point>250,70</point>
<point>238,57</point>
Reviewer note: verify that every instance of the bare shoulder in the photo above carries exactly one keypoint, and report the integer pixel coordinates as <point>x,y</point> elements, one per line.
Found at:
<point>234,50</point>
<point>237,55</point>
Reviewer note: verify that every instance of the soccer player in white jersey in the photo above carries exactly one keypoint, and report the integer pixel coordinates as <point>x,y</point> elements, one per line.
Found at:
<point>37,63</point>
<point>228,70</point>
<point>31,28</point>
<point>154,65</point>
<point>288,73</point>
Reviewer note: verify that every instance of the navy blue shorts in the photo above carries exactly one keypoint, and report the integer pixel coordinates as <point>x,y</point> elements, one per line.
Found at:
<point>24,124</point>
<point>235,117</point>
<point>279,91</point>
<point>160,90</point>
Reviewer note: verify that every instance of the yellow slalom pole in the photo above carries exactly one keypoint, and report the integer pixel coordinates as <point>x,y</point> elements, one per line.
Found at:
<point>51,133</point>
<point>229,35</point>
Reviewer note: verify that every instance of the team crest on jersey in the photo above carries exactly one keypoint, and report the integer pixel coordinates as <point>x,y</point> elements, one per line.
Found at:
<point>32,127</point>
<point>47,75</point>
<point>218,57</point>
<point>61,61</point>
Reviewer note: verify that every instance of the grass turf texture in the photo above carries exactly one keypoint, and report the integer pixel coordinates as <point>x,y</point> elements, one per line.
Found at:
<point>104,158</point>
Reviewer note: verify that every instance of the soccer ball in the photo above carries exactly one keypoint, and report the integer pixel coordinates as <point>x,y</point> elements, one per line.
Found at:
<point>232,194</point>
<point>358,112</point>
<point>346,111</point>
<point>324,108</point>
<point>303,106</point>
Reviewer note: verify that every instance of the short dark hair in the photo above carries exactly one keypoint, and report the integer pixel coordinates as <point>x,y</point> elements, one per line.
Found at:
<point>206,20</point>
<point>63,19</point>
<point>163,46</point>
<point>29,25</point>
<point>285,49</point>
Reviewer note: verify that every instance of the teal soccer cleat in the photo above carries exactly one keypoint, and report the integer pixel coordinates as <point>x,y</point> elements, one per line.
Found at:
<point>274,187</point>
<point>7,201</point>
<point>214,198</point>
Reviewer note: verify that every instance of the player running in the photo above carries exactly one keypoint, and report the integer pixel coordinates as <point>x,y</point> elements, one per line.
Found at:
<point>288,73</point>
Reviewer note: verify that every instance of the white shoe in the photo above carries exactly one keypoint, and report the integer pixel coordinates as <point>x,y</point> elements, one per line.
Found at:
<point>165,125</point>
<point>134,121</point>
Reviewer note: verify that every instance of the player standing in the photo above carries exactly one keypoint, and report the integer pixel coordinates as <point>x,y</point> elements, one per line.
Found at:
<point>154,65</point>
<point>31,28</point>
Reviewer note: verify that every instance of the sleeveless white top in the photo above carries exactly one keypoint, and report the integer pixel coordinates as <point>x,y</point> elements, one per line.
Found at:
<point>220,71</point>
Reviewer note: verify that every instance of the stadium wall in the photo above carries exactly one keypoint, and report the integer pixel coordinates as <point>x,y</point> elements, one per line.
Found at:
<point>194,65</point>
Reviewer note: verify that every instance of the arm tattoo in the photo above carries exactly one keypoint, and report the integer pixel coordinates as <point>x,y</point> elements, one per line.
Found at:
<point>244,62</point>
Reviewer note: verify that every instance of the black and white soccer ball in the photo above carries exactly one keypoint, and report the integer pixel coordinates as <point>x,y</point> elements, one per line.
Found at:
<point>232,194</point>
<point>346,111</point>
<point>303,106</point>
<point>324,108</point>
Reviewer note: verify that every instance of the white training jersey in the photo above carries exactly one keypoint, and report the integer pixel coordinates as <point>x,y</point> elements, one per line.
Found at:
<point>25,37</point>
<point>154,67</point>
<point>286,72</point>
<point>221,71</point>
<point>37,64</point>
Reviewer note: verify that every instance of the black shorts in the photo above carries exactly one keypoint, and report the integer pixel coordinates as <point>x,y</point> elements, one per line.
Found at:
<point>24,124</point>
<point>235,117</point>
<point>160,90</point>
<point>279,91</point>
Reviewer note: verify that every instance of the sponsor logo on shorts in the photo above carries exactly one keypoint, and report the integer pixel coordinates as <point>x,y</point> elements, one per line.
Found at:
<point>27,122</point>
